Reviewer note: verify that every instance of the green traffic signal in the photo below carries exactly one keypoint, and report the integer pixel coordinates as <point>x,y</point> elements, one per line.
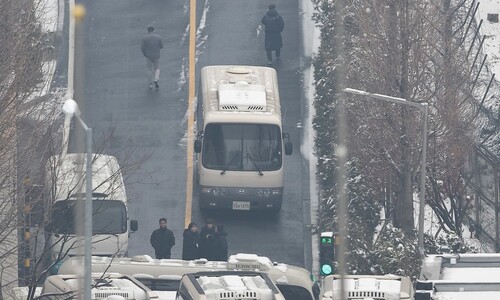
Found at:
<point>327,253</point>
<point>326,270</point>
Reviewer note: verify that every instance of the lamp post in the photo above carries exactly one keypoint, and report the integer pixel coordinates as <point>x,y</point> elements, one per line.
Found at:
<point>70,108</point>
<point>423,107</point>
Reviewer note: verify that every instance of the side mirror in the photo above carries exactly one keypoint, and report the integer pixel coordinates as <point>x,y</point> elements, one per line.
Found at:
<point>134,225</point>
<point>288,144</point>
<point>197,146</point>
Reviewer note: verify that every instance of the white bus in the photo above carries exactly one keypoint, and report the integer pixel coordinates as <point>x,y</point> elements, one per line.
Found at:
<point>240,141</point>
<point>66,183</point>
<point>164,275</point>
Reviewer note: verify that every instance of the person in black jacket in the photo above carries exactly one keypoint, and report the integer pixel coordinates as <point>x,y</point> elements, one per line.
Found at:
<point>208,242</point>
<point>190,245</point>
<point>274,25</point>
<point>162,240</point>
<point>221,253</point>
<point>150,47</point>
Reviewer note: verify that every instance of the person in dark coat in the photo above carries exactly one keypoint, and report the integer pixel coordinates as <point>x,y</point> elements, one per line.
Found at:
<point>208,242</point>
<point>150,46</point>
<point>190,245</point>
<point>274,25</point>
<point>162,240</point>
<point>221,243</point>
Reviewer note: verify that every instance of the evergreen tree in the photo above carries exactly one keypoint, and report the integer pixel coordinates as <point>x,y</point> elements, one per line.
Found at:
<point>364,217</point>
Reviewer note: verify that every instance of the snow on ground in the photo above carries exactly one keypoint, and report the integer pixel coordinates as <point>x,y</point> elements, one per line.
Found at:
<point>47,15</point>
<point>431,225</point>
<point>311,41</point>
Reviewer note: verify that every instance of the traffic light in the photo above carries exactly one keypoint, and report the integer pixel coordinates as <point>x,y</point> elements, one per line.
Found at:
<point>326,253</point>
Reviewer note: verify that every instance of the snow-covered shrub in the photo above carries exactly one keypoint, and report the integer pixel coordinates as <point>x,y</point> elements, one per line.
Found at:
<point>451,242</point>
<point>395,253</point>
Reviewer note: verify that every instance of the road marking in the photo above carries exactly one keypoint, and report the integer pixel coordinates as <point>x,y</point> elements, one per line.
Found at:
<point>71,50</point>
<point>190,127</point>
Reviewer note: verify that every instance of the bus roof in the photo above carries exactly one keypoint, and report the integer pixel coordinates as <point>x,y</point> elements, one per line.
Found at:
<point>102,286</point>
<point>66,176</point>
<point>231,285</point>
<point>463,267</point>
<point>371,286</point>
<point>246,90</point>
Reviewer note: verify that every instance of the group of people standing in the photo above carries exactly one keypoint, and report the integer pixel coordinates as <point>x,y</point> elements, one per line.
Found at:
<point>209,243</point>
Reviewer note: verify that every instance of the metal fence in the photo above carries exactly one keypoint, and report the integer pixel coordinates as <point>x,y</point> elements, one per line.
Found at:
<point>484,170</point>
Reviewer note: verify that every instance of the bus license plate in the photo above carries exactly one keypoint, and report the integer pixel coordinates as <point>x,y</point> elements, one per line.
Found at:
<point>241,205</point>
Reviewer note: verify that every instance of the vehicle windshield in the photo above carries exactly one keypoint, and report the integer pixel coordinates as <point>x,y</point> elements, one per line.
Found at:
<point>109,217</point>
<point>242,147</point>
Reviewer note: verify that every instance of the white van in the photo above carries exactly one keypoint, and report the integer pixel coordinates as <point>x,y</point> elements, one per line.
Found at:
<point>240,141</point>
<point>66,183</point>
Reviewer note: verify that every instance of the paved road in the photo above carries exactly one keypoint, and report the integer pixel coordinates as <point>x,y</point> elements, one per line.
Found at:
<point>142,126</point>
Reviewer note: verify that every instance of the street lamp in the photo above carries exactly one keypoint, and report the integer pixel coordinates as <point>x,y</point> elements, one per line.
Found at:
<point>423,107</point>
<point>70,108</point>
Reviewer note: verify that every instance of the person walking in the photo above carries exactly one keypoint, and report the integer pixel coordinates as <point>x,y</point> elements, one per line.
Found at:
<point>190,245</point>
<point>150,47</point>
<point>208,242</point>
<point>274,25</point>
<point>221,252</point>
<point>162,240</point>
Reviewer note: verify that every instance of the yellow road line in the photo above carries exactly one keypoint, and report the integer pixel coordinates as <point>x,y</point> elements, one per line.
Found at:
<point>190,128</point>
<point>71,50</point>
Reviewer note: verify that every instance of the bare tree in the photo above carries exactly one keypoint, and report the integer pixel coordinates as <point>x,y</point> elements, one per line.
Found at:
<point>413,50</point>
<point>385,51</point>
<point>21,60</point>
